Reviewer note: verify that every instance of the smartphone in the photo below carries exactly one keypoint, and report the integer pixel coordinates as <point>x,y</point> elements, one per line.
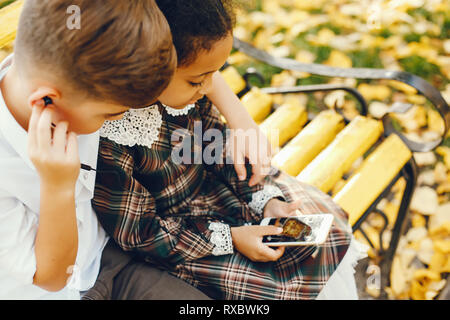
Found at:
<point>305,230</point>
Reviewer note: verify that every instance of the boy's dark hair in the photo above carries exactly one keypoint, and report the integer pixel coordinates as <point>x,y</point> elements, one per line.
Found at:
<point>122,53</point>
<point>197,24</point>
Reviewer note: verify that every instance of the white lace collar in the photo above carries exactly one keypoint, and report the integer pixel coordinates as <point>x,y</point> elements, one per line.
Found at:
<point>139,126</point>
<point>179,112</point>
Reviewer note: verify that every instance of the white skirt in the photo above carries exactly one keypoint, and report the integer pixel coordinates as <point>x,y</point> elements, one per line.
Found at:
<point>342,284</point>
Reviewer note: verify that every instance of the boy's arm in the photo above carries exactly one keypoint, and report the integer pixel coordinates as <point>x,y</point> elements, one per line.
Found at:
<point>56,239</point>
<point>258,152</point>
<point>55,157</point>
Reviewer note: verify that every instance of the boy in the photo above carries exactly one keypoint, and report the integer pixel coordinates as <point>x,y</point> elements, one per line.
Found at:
<point>55,93</point>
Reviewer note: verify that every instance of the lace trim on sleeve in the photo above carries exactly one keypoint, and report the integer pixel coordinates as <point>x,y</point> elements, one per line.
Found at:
<point>221,238</point>
<point>260,198</point>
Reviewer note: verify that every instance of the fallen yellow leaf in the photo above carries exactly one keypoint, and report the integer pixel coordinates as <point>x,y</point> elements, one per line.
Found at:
<point>443,188</point>
<point>442,246</point>
<point>425,275</point>
<point>418,220</point>
<point>401,86</point>
<point>322,38</point>
<point>445,153</point>
<point>413,119</point>
<point>416,99</point>
<point>374,92</point>
<point>435,122</point>
<point>417,291</point>
<point>438,262</point>
<point>283,79</point>
<point>339,59</point>
<point>238,58</point>
<point>441,231</point>
<point>399,282</point>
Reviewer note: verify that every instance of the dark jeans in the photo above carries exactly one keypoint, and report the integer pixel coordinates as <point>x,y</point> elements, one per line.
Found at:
<point>123,278</point>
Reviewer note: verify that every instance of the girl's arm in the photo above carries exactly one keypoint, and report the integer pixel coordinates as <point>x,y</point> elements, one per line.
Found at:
<point>248,241</point>
<point>229,105</point>
<point>127,212</point>
<point>257,152</point>
<point>256,196</point>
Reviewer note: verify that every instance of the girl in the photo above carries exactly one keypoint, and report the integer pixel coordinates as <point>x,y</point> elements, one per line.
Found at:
<point>199,221</point>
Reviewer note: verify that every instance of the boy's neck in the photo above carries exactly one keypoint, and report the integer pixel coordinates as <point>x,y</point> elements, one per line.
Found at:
<point>15,97</point>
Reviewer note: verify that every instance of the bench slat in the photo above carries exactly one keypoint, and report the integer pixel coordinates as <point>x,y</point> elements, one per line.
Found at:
<point>285,123</point>
<point>258,104</point>
<point>4,3</point>
<point>374,175</point>
<point>9,17</point>
<point>234,79</point>
<point>350,144</point>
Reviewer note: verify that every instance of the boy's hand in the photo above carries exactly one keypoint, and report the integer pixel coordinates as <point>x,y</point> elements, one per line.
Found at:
<point>248,241</point>
<point>258,151</point>
<point>54,152</point>
<point>278,209</point>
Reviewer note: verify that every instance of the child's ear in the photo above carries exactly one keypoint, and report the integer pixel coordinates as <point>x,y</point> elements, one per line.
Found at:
<point>43,96</point>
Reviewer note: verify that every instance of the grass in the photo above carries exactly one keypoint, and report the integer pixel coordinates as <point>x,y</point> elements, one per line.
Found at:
<point>385,33</point>
<point>337,30</point>
<point>441,18</point>
<point>311,80</point>
<point>421,12</point>
<point>421,67</point>
<point>446,27</point>
<point>265,70</point>
<point>4,3</point>
<point>366,58</point>
<point>446,142</point>
<point>251,5</point>
<point>322,53</point>
<point>412,37</point>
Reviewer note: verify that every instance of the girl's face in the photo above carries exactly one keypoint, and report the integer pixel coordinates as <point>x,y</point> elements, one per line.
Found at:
<point>190,83</point>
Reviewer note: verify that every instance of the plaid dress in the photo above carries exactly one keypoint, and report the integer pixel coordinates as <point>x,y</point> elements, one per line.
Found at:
<point>163,211</point>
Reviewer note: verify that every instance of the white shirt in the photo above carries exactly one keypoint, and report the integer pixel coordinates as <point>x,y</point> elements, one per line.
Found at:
<point>19,214</point>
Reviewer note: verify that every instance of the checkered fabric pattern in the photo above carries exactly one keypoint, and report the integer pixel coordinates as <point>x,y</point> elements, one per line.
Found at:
<point>161,211</point>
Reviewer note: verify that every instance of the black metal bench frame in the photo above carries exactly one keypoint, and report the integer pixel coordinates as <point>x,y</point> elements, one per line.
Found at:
<point>408,172</point>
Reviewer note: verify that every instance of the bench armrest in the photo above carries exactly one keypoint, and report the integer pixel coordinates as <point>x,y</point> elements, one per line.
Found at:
<point>322,87</point>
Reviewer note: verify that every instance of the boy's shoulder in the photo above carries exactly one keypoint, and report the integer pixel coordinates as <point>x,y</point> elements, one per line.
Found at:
<point>16,170</point>
<point>6,62</point>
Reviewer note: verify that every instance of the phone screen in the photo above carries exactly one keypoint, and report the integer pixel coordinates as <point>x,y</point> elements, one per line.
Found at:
<point>307,229</point>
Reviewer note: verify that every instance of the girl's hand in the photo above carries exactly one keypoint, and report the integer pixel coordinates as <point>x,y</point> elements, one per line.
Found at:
<point>254,147</point>
<point>54,152</point>
<point>244,131</point>
<point>278,209</point>
<point>248,241</point>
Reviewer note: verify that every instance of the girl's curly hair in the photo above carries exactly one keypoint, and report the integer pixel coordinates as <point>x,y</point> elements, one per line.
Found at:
<point>197,24</point>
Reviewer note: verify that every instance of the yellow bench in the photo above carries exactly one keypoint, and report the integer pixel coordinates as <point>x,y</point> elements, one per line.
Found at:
<point>9,18</point>
<point>323,153</point>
